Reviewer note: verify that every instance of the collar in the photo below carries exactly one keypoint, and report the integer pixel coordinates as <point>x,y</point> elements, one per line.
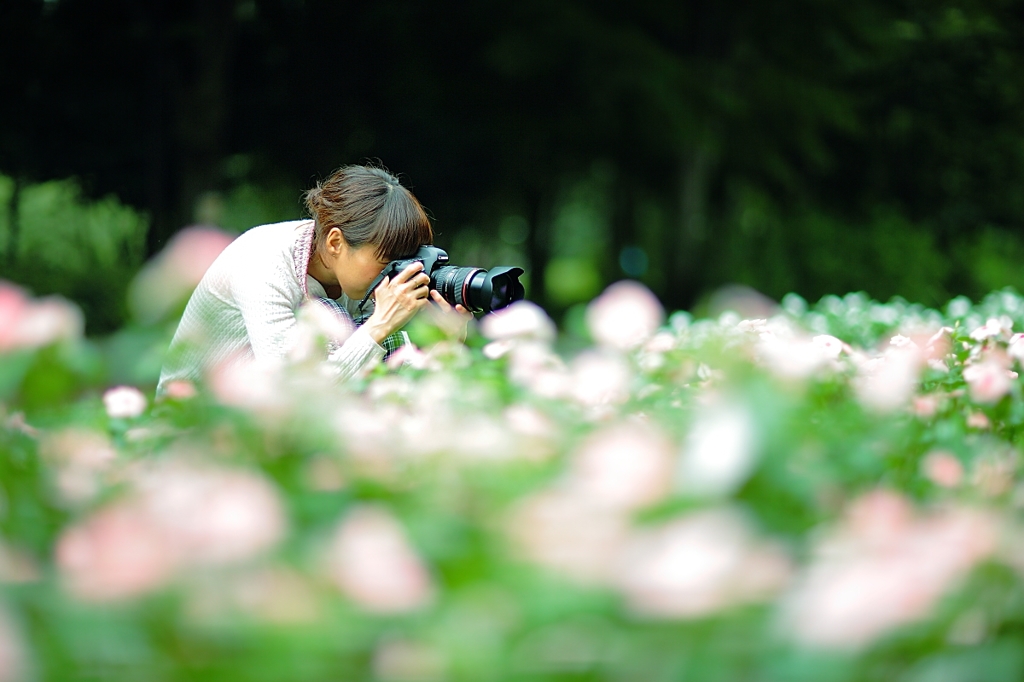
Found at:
<point>302,251</point>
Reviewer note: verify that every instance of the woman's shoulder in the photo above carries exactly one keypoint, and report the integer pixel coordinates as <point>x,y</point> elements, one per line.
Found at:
<point>285,232</point>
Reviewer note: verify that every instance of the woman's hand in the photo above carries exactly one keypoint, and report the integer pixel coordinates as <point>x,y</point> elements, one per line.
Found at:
<point>396,301</point>
<point>452,321</point>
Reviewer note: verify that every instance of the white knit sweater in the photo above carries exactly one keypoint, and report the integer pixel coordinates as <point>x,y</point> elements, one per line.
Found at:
<point>245,308</point>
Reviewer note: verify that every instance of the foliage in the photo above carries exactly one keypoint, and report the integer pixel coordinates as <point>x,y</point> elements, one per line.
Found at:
<point>56,241</point>
<point>826,492</point>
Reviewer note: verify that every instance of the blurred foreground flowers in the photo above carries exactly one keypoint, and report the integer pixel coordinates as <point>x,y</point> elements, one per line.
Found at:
<point>831,492</point>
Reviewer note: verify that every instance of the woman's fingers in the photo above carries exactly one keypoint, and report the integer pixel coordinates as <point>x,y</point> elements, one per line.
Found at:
<point>409,272</point>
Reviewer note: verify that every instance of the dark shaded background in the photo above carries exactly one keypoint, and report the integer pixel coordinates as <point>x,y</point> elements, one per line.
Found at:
<point>813,146</point>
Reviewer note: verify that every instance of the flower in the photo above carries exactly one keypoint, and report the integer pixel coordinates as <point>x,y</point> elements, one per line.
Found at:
<point>943,469</point>
<point>988,381</point>
<point>697,565</point>
<point>569,532</point>
<point>521,320</point>
<point>113,555</point>
<point>881,568</point>
<point>372,563</point>
<point>889,382</point>
<point>169,278</point>
<point>624,316</point>
<point>600,379</point>
<point>124,402</point>
<point>26,323</point>
<point>210,515</point>
<point>993,327</point>
<point>830,346</point>
<point>719,451</point>
<point>1016,346</point>
<point>625,466</point>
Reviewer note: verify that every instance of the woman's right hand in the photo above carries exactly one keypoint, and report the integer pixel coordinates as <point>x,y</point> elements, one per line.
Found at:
<point>396,301</point>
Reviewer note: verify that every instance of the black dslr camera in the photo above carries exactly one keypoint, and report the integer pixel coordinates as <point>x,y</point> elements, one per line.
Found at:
<point>476,289</point>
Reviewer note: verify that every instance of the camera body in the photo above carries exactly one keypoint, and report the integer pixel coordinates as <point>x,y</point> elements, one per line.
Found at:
<point>476,289</point>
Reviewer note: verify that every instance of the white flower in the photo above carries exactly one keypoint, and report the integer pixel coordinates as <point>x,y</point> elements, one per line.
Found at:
<point>124,402</point>
<point>697,565</point>
<point>993,327</point>
<point>718,453</point>
<point>830,346</point>
<point>521,320</point>
<point>624,316</point>
<point>900,341</point>
<point>888,382</point>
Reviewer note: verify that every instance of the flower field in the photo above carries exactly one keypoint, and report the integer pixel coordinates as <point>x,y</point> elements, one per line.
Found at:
<point>824,492</point>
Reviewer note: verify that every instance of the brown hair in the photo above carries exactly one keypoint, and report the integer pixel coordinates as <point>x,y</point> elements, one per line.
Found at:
<point>369,206</point>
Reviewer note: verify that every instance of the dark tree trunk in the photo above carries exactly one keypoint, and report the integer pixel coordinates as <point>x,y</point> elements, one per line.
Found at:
<point>14,222</point>
<point>538,246</point>
<point>686,247</point>
<point>203,106</point>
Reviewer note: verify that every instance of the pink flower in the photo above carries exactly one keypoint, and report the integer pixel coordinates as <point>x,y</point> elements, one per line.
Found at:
<point>926,405</point>
<point>988,381</point>
<point>372,562</point>
<point>211,515</point>
<point>882,570</point>
<point>944,469</point>
<point>169,278</point>
<point>124,402</point>
<point>26,323</point>
<point>569,533</point>
<point>624,316</point>
<point>698,565</point>
<point>176,516</point>
<point>521,320</point>
<point>180,389</point>
<point>49,320</point>
<point>13,302</point>
<point>625,466</point>
<point>978,420</point>
<point>113,555</point>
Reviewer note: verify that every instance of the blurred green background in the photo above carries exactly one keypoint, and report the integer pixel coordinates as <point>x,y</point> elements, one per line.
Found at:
<point>812,146</point>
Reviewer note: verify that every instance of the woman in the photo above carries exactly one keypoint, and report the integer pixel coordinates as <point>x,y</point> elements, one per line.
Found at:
<point>245,306</point>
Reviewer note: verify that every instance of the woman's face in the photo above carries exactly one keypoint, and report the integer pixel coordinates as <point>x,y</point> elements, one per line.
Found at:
<point>356,268</point>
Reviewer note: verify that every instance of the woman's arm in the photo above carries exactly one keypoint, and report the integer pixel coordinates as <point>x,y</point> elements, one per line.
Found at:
<point>268,309</point>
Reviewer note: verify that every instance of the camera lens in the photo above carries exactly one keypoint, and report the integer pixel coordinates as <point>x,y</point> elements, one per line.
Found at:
<point>452,283</point>
<point>477,289</point>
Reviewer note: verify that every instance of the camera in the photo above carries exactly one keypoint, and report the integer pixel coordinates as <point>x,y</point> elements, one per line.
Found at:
<point>476,289</point>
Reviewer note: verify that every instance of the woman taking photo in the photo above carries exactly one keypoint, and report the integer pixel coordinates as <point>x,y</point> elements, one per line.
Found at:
<point>245,307</point>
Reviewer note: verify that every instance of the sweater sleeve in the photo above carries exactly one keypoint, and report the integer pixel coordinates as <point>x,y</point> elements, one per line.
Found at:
<point>359,352</point>
<point>268,310</point>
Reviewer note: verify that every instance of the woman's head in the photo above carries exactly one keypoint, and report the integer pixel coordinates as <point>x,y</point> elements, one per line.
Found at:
<point>369,207</point>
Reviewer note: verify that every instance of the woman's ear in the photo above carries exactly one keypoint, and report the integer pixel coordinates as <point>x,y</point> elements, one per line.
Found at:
<point>335,242</point>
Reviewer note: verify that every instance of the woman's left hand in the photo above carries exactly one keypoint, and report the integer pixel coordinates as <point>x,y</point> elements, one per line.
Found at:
<point>452,321</point>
